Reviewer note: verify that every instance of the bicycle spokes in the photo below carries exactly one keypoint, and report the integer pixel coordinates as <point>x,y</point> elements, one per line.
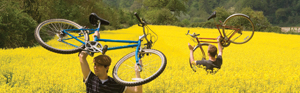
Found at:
<point>55,31</point>
<point>151,64</point>
<point>238,29</point>
<point>237,37</point>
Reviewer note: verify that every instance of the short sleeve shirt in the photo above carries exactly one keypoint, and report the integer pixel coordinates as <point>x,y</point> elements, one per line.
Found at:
<point>210,65</point>
<point>94,85</point>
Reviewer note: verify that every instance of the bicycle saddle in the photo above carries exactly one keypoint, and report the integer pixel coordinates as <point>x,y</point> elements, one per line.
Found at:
<point>94,20</point>
<point>213,15</point>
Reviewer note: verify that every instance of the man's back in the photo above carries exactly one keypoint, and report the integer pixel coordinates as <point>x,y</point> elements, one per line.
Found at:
<point>210,65</point>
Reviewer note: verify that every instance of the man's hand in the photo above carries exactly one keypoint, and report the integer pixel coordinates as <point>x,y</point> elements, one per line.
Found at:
<point>191,47</point>
<point>136,89</point>
<point>220,46</point>
<point>137,72</point>
<point>219,39</point>
<point>97,34</point>
<point>83,54</point>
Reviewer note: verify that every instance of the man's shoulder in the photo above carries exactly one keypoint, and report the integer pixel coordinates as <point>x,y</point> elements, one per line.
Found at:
<point>203,60</point>
<point>112,81</point>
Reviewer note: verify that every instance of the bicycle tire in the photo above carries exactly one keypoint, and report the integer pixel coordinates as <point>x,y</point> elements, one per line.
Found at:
<point>242,22</point>
<point>120,79</point>
<point>199,54</point>
<point>50,29</point>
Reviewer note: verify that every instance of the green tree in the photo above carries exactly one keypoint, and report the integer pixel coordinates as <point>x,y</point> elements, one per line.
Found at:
<point>126,3</point>
<point>257,17</point>
<point>16,27</point>
<point>175,6</point>
<point>137,4</point>
<point>163,12</point>
<point>160,16</point>
<point>222,13</point>
<point>281,14</point>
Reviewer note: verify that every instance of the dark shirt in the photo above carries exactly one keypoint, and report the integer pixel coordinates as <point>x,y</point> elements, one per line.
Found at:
<point>94,85</point>
<point>210,65</point>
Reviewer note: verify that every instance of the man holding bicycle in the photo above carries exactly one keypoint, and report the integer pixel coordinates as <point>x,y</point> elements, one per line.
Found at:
<point>212,52</point>
<point>99,81</point>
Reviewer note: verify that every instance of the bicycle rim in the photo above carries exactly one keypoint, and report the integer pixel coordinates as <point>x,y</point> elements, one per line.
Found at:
<point>154,62</point>
<point>238,29</point>
<point>49,35</point>
<point>199,54</point>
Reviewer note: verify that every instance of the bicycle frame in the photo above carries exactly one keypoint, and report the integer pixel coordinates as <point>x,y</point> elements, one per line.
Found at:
<point>226,38</point>
<point>137,43</point>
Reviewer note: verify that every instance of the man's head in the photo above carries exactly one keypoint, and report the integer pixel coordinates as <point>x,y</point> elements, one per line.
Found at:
<point>101,64</point>
<point>212,50</point>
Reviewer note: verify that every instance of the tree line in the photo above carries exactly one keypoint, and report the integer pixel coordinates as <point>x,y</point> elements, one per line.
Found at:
<point>18,18</point>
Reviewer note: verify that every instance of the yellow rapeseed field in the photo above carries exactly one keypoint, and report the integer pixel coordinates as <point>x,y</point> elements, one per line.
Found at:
<point>269,62</point>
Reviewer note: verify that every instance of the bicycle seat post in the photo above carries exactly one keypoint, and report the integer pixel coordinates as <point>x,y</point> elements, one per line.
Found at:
<point>99,23</point>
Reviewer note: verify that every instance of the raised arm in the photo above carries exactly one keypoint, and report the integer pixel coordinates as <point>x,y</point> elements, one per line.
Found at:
<point>84,64</point>
<point>191,54</point>
<point>220,47</point>
<point>136,89</point>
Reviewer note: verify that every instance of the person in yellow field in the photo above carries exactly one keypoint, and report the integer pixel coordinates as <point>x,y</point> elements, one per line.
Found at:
<point>98,81</point>
<point>213,61</point>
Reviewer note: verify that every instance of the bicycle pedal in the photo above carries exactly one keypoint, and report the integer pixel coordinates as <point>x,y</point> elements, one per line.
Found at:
<point>104,49</point>
<point>93,46</point>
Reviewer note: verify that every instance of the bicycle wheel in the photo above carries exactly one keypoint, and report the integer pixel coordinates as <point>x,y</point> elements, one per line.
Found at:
<point>199,54</point>
<point>49,35</point>
<point>238,28</point>
<point>154,63</point>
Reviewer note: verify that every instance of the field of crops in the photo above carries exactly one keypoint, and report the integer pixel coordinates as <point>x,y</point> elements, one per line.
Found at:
<point>269,62</point>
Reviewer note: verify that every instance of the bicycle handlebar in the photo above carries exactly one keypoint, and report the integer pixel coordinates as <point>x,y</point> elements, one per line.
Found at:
<point>194,35</point>
<point>137,16</point>
<point>187,32</point>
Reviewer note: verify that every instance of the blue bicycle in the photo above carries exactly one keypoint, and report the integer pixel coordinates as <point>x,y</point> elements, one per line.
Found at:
<point>66,37</point>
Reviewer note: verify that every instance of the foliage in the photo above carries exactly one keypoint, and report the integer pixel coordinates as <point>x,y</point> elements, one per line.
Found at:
<point>19,18</point>
<point>16,27</point>
<point>161,16</point>
<point>277,12</point>
<point>163,12</point>
<point>119,13</point>
<point>258,19</point>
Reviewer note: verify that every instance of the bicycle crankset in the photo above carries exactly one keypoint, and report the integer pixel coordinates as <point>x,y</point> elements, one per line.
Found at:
<point>224,43</point>
<point>93,46</point>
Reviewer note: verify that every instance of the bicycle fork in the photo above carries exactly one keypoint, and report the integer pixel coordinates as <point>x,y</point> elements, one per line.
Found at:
<point>137,55</point>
